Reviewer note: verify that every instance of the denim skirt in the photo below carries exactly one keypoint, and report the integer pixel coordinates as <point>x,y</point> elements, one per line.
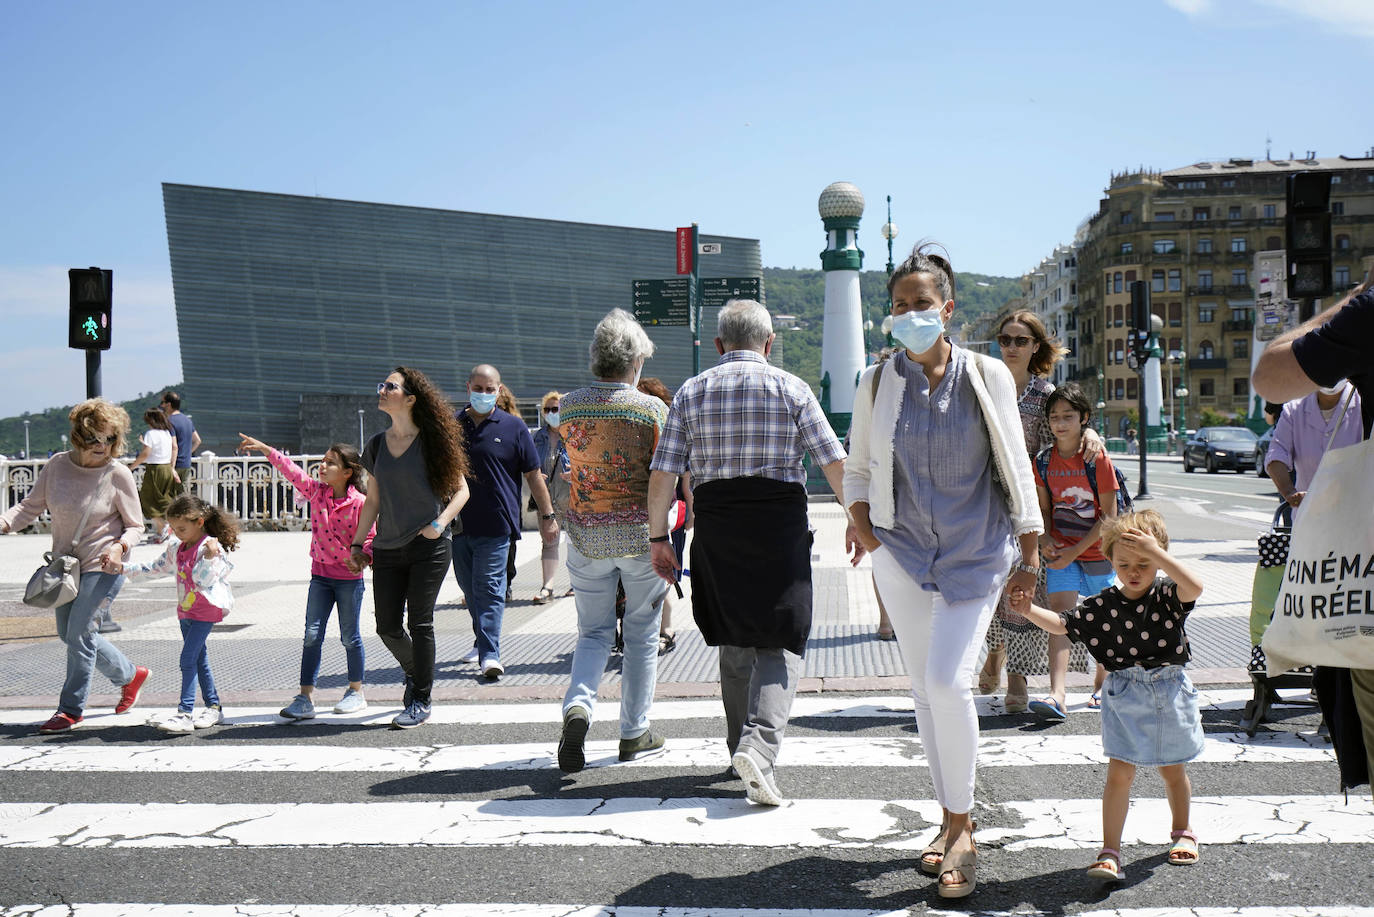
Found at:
<point>1150,716</point>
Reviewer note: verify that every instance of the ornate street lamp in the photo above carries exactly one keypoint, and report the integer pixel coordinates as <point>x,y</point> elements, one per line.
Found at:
<point>889,232</point>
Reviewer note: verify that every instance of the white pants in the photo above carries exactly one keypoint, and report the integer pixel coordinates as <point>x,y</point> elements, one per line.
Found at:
<point>940,642</point>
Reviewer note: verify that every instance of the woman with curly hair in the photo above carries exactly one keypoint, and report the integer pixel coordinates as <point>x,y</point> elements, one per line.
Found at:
<point>418,469</point>
<point>96,518</point>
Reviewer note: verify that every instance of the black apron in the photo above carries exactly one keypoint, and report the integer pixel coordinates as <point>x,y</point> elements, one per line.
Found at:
<point>751,564</point>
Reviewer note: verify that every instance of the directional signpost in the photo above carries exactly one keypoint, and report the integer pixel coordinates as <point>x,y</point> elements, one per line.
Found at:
<point>662,302</point>
<point>717,291</point>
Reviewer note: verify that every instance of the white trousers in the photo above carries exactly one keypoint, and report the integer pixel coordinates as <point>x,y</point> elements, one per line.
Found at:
<point>940,642</point>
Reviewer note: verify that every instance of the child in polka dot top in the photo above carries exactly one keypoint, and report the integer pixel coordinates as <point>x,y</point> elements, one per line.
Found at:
<point>336,500</point>
<point>1149,706</point>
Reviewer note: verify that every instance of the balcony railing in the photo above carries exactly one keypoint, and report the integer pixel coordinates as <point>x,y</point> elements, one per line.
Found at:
<point>1207,363</point>
<point>247,486</point>
<point>1244,324</point>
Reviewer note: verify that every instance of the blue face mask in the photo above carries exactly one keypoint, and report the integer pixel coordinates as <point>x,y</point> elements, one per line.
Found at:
<point>918,331</point>
<point>482,402</point>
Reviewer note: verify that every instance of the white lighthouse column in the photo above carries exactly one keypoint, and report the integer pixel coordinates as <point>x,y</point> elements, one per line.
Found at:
<point>842,343</point>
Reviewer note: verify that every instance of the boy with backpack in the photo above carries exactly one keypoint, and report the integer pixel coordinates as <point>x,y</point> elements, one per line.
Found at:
<point>1076,497</point>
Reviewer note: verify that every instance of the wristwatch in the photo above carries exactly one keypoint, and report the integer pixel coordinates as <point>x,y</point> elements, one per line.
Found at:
<point>548,516</point>
<point>1023,567</point>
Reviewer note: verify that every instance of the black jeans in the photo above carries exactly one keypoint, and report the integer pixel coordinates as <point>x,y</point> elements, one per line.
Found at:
<point>405,584</point>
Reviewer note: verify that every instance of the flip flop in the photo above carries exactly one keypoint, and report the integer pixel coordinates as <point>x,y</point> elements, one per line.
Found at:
<point>1048,708</point>
<point>1095,702</point>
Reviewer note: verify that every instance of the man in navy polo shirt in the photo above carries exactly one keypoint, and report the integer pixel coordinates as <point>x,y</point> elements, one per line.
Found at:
<point>188,440</point>
<point>500,450</point>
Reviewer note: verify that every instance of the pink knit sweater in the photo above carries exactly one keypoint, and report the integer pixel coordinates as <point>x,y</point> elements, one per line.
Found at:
<point>64,489</point>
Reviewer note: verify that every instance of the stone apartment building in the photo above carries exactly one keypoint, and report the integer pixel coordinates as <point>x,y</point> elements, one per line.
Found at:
<point>1051,292</point>
<point>1193,234</point>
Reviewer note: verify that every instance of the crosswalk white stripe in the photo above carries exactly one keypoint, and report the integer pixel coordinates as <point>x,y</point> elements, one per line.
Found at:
<point>799,751</point>
<point>894,706</point>
<point>593,910</point>
<point>637,821</point>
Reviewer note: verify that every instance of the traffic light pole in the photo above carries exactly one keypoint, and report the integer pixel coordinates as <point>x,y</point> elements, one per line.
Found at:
<point>694,304</point>
<point>92,374</point>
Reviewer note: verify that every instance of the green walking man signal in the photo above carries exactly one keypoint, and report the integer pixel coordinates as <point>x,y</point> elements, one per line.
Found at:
<point>89,308</point>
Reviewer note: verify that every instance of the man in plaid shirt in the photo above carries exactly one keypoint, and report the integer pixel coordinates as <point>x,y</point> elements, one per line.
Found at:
<point>740,428</point>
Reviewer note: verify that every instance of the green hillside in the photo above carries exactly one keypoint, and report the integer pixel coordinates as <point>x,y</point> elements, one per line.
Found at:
<point>801,293</point>
<point>47,428</point>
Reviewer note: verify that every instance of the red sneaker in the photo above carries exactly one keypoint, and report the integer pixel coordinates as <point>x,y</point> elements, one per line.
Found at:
<point>60,722</point>
<point>128,695</point>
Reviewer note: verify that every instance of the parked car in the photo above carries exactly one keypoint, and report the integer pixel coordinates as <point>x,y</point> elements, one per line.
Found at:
<point>1262,450</point>
<point>1215,448</point>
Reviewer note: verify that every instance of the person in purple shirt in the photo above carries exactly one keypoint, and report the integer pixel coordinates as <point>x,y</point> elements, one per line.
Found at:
<point>1302,433</point>
<point>1334,345</point>
<point>500,450</point>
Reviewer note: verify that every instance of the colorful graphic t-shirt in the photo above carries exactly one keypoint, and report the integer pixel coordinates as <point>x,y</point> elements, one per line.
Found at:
<point>1073,509</point>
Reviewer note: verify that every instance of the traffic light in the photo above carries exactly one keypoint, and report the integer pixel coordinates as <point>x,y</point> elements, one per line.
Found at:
<point>88,314</point>
<point>1309,234</point>
<point>1140,314</point>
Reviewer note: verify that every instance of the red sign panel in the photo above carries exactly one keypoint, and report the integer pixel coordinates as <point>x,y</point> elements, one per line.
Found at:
<point>685,252</point>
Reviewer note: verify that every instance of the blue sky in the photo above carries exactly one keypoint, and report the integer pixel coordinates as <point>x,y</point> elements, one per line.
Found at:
<point>994,126</point>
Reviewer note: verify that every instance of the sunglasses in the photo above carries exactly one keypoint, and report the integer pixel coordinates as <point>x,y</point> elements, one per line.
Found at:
<point>384,387</point>
<point>1006,340</point>
<point>99,440</point>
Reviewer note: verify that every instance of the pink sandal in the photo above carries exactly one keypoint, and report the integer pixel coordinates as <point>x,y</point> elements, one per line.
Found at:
<point>1184,851</point>
<point>1107,866</point>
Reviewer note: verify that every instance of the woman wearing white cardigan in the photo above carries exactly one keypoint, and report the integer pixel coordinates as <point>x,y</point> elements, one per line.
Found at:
<point>942,495</point>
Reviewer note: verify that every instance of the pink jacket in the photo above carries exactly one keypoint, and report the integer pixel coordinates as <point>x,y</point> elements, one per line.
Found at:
<point>333,520</point>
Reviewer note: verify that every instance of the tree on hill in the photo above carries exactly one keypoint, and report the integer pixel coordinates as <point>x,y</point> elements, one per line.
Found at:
<point>47,428</point>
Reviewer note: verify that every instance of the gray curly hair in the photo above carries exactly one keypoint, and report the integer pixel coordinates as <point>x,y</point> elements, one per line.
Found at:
<point>743,324</point>
<point>618,341</point>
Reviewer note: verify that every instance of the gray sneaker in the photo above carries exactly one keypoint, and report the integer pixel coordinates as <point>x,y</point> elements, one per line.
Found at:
<point>642,746</point>
<point>351,702</point>
<point>411,716</point>
<point>760,787</point>
<point>300,708</point>
<point>571,756</point>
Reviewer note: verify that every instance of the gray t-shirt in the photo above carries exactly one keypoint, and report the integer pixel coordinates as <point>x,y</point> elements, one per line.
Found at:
<point>406,502</point>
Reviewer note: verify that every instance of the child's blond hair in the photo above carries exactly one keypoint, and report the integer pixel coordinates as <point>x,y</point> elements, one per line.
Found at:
<point>1146,520</point>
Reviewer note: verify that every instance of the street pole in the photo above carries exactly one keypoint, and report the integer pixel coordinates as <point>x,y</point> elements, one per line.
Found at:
<point>27,453</point>
<point>361,442</point>
<point>92,373</point>
<point>694,305</point>
<point>889,233</point>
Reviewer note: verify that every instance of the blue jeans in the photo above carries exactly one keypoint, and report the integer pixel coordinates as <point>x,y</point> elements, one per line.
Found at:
<point>326,592</point>
<point>87,650</point>
<point>594,582</point>
<point>195,665</point>
<point>479,563</point>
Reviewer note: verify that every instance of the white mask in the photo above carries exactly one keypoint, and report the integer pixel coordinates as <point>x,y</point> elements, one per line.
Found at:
<point>1336,389</point>
<point>551,418</point>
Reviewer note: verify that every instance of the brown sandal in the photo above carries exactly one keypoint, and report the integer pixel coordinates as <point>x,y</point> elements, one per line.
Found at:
<point>934,853</point>
<point>965,867</point>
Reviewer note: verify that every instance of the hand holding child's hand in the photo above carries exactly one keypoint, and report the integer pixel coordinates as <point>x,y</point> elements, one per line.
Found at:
<point>109,565</point>
<point>1019,601</point>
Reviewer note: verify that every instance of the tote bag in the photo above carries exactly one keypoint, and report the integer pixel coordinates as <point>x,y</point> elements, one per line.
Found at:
<point>1324,614</point>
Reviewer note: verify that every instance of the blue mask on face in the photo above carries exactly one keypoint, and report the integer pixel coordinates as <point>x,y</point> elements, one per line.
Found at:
<point>918,331</point>
<point>482,402</point>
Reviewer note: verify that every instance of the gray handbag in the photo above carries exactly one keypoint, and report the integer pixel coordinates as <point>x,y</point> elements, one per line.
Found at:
<point>58,578</point>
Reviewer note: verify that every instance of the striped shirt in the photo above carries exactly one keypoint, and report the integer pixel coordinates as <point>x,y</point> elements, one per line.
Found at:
<point>745,418</point>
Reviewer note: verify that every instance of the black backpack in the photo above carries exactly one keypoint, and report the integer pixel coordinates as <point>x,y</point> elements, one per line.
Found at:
<point>1124,503</point>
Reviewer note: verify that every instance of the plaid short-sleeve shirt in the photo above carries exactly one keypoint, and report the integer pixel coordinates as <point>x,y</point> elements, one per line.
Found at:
<point>745,418</point>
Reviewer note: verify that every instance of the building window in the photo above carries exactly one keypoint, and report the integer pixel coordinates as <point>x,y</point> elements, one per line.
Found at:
<point>1130,276</point>
<point>1120,390</point>
<point>1175,345</point>
<point>1341,277</point>
<point>1228,182</point>
<point>1204,350</point>
<point>1233,213</point>
<point>1343,243</point>
<point>1164,216</point>
<point>1127,248</point>
<point>1238,277</point>
<point>1338,208</point>
<point>1132,391</point>
<point>1240,348</point>
<point>1117,314</point>
<point>1204,280</point>
<point>1271,211</point>
<point>1175,315</point>
<point>1116,282</point>
<point>1193,184</point>
<point>1240,387</point>
<point>1206,312</point>
<point>1237,244</point>
<point>1120,352</point>
<point>1273,243</point>
<point>1201,213</point>
<point>1175,280</point>
<point>1163,246</point>
<point>1240,314</point>
<point>1157,281</point>
<point>1208,388</point>
<point>1204,246</point>
<point>1127,217</point>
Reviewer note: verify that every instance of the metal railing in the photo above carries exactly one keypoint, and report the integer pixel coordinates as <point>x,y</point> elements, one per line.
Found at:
<point>247,486</point>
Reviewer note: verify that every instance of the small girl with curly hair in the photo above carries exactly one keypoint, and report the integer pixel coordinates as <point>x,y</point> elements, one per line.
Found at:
<point>197,560</point>
<point>1149,706</point>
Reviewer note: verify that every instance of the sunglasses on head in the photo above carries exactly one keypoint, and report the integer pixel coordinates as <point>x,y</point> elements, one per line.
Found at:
<point>384,387</point>
<point>1006,340</point>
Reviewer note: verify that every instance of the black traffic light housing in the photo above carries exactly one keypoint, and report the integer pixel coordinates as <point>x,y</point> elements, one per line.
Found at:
<point>1140,314</point>
<point>1309,235</point>
<point>89,309</point>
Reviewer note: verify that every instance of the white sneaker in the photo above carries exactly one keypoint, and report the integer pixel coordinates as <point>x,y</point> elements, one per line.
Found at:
<point>179,722</point>
<point>206,717</point>
<point>760,787</point>
<point>351,702</point>
<point>469,656</point>
<point>492,667</point>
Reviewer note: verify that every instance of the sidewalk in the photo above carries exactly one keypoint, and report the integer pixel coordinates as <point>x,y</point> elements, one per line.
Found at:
<point>255,653</point>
